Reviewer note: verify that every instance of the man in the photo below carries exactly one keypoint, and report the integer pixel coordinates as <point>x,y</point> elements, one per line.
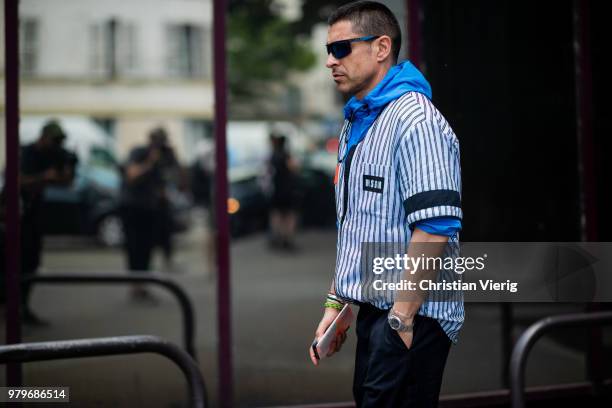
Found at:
<point>397,181</point>
<point>43,162</point>
<point>145,208</point>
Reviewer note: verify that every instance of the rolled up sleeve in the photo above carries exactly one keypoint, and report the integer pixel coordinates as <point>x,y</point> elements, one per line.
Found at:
<point>429,172</point>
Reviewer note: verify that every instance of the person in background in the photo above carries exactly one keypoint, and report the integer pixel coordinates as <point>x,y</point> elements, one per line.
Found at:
<point>145,210</point>
<point>283,218</point>
<point>173,179</point>
<point>202,174</point>
<point>43,163</point>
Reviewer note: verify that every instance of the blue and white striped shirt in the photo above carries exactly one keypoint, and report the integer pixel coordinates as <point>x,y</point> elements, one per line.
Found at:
<point>405,170</point>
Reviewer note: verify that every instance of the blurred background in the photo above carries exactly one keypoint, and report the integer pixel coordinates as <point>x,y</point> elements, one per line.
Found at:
<point>127,86</point>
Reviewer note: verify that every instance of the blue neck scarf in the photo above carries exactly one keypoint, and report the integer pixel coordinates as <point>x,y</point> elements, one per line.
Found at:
<point>401,78</point>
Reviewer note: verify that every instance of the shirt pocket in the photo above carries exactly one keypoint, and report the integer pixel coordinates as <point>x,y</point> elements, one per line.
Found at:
<point>372,187</point>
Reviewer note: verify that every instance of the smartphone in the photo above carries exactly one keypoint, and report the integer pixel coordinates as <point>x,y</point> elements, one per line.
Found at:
<point>341,323</point>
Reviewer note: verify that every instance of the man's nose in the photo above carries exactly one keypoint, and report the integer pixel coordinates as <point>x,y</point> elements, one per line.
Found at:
<point>331,61</point>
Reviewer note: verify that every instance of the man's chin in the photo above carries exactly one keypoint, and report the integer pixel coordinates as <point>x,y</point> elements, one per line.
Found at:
<point>342,87</point>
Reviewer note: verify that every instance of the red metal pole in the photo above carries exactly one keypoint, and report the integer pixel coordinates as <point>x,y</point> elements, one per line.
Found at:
<point>584,119</point>
<point>413,20</point>
<point>222,219</point>
<point>11,185</point>
<point>586,169</point>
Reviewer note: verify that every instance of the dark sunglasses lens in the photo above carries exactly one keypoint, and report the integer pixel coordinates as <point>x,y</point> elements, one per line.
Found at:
<point>340,49</point>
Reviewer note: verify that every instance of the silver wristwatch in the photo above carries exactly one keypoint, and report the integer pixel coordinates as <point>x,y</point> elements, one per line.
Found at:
<point>397,323</point>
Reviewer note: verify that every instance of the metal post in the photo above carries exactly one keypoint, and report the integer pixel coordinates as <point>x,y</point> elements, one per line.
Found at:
<point>584,119</point>
<point>187,312</point>
<point>12,249</point>
<point>525,343</point>
<point>584,135</point>
<point>506,340</point>
<point>414,32</point>
<point>222,220</point>
<point>108,346</point>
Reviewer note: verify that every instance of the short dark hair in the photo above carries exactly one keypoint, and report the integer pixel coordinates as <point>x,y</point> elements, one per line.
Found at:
<point>53,130</point>
<point>370,18</point>
<point>158,136</point>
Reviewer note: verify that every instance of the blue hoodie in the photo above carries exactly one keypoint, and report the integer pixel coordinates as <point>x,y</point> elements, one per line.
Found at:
<point>400,79</point>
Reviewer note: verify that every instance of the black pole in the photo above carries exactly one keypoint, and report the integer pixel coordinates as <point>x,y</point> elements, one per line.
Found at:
<point>187,313</point>
<point>529,337</point>
<point>11,185</point>
<point>108,346</point>
<point>506,340</point>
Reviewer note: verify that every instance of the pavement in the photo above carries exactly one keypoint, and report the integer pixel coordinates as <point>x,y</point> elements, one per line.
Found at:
<point>276,304</point>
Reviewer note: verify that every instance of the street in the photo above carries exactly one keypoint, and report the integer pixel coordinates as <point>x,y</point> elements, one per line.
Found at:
<point>276,300</point>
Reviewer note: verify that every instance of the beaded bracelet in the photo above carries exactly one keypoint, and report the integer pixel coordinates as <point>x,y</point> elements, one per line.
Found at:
<point>333,305</point>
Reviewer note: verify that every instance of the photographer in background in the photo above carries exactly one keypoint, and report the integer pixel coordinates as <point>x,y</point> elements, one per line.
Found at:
<point>42,163</point>
<point>145,208</point>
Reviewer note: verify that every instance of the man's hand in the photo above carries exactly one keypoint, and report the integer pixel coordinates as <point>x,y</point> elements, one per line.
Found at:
<point>328,317</point>
<point>154,156</point>
<point>51,175</point>
<point>405,311</point>
<point>406,338</point>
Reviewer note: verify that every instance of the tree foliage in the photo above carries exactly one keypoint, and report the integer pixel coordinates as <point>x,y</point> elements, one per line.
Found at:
<point>262,48</point>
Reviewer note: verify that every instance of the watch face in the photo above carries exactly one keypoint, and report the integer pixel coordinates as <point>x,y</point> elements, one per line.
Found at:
<point>395,322</point>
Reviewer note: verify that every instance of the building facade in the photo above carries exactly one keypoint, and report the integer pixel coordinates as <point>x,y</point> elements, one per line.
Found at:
<point>129,65</point>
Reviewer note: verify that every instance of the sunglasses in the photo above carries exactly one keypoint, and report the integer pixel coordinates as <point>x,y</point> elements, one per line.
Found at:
<point>342,48</point>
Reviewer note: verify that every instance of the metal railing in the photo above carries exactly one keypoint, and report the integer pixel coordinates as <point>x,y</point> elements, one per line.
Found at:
<point>187,312</point>
<point>109,346</point>
<point>532,334</point>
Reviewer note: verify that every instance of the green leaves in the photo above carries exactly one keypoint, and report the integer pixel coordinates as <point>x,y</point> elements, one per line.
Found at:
<point>262,48</point>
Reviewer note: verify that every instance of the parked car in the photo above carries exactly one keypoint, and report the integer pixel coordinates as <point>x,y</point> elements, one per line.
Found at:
<point>90,205</point>
<point>247,203</point>
<point>250,185</point>
<point>249,200</point>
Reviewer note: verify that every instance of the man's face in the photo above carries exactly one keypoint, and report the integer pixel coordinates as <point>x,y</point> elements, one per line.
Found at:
<point>354,73</point>
<point>51,143</point>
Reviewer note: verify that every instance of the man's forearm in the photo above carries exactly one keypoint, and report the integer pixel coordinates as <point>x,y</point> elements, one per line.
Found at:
<point>422,244</point>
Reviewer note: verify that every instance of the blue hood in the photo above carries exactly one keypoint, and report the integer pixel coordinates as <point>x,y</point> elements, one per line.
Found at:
<point>401,78</point>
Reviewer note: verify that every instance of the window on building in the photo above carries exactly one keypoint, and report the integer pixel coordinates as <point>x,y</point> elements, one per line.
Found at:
<point>186,51</point>
<point>113,49</point>
<point>108,124</point>
<point>29,45</point>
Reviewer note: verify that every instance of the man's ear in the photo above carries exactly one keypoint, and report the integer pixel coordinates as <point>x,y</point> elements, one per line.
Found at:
<point>383,50</point>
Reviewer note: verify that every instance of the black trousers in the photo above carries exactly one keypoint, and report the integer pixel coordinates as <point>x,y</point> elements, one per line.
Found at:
<point>387,374</point>
<point>139,229</point>
<point>32,223</point>
<point>164,230</point>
